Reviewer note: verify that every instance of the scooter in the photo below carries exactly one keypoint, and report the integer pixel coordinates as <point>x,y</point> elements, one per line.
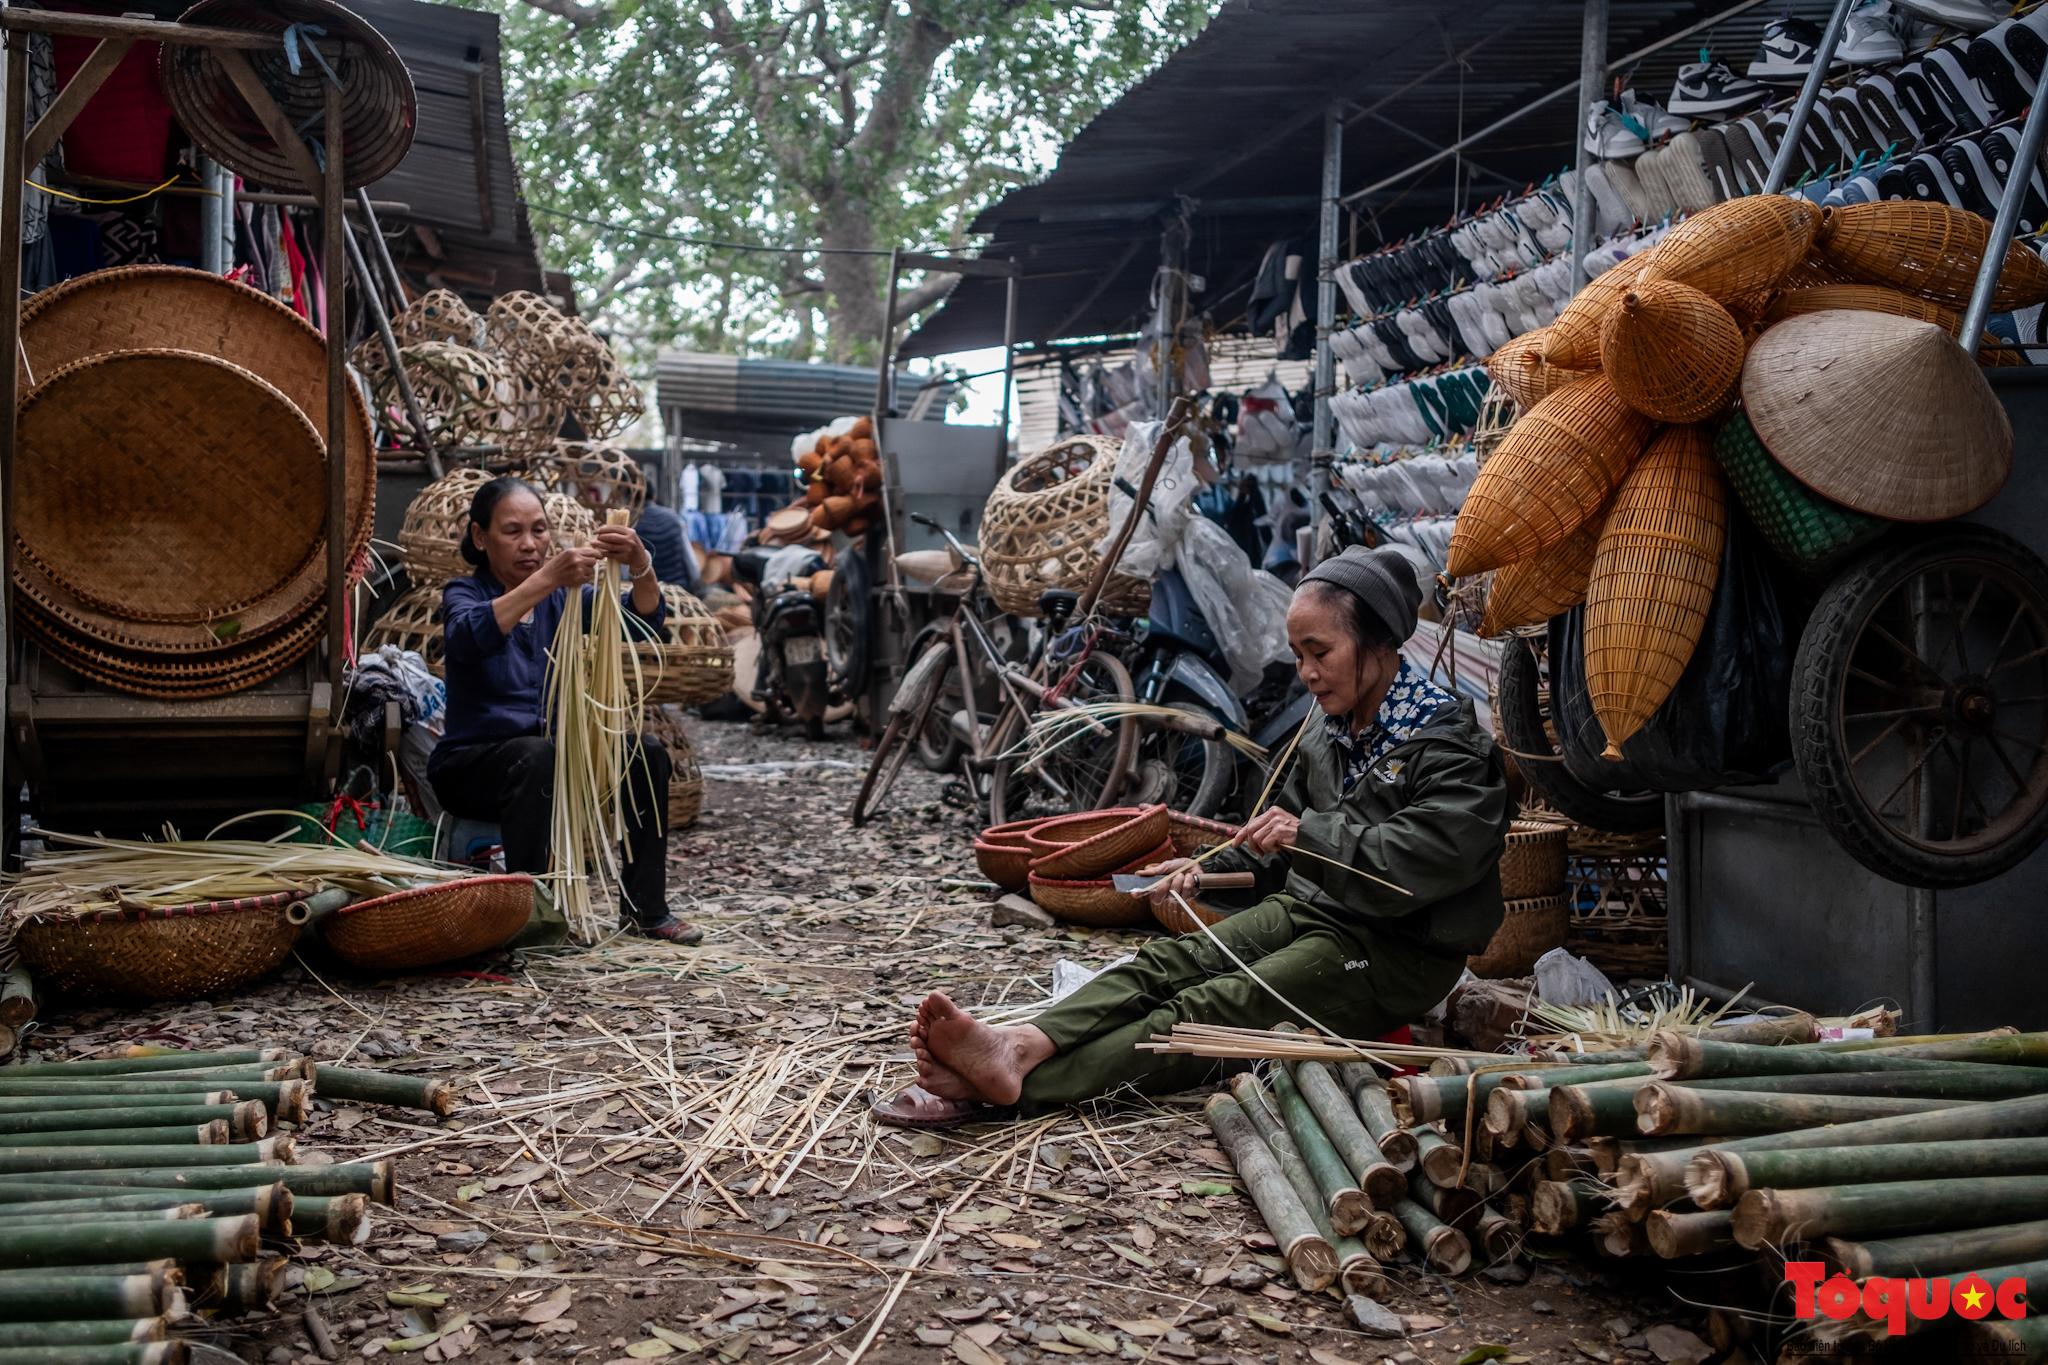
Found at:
<point>793,678</point>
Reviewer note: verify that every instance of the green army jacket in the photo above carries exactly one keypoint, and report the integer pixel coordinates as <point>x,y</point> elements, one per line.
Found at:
<point>1431,817</point>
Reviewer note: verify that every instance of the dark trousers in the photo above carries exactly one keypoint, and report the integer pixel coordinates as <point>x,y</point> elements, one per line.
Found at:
<point>511,784</point>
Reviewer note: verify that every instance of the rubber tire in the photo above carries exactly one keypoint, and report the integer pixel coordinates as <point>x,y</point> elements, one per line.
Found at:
<point>1521,723</point>
<point>849,604</point>
<point>1009,728</point>
<point>1825,650</point>
<point>1219,765</point>
<point>944,757</point>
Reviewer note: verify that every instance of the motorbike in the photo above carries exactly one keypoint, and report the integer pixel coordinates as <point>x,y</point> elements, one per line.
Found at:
<point>812,651</point>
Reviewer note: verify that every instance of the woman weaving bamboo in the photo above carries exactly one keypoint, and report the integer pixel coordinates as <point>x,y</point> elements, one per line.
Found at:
<point>495,761</point>
<point>1377,872</point>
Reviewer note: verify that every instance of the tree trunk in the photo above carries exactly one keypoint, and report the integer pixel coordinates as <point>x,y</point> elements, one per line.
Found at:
<point>853,284</point>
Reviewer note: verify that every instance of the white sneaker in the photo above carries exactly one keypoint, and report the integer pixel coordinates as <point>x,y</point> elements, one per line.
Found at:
<point>1705,89</point>
<point>1972,15</point>
<point>1609,136</point>
<point>1871,36</point>
<point>1652,116</point>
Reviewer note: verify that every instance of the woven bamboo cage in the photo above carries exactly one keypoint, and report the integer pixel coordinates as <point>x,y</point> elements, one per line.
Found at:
<point>456,387</point>
<point>412,622</point>
<point>173,953</point>
<point>528,333</point>
<point>691,663</point>
<point>1928,249</point>
<point>1533,863</point>
<point>1042,523</point>
<point>1653,580</point>
<point>598,475</point>
<point>439,315</point>
<point>1521,374</point>
<point>431,537</point>
<point>685,785</point>
<point>1555,470</point>
<point>1529,929</point>
<point>1876,298</point>
<point>1497,414</point>
<point>1572,342</point>
<point>1531,591</point>
<point>602,399</point>
<point>1672,352</point>
<point>1737,247</point>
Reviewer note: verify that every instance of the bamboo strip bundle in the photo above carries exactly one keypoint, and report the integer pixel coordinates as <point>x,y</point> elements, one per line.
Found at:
<point>1445,1249</point>
<point>1369,1094</point>
<point>87,1332</point>
<point>1670,1111</point>
<point>1357,1269</point>
<point>1350,1210</point>
<point>1937,1253</point>
<point>1673,1235</point>
<point>1309,1257</point>
<point>1219,1040</point>
<point>1058,726</point>
<point>1717,1178</point>
<point>1886,1208</point>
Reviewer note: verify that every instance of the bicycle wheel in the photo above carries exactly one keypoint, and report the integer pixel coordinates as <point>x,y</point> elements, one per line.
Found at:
<point>1190,774</point>
<point>1085,773</point>
<point>892,749</point>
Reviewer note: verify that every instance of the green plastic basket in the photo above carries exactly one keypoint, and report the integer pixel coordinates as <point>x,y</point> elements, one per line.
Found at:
<point>1812,533</point>
<point>403,834</point>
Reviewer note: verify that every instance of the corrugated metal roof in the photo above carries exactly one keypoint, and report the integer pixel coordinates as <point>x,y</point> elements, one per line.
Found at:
<point>1233,121</point>
<point>773,393</point>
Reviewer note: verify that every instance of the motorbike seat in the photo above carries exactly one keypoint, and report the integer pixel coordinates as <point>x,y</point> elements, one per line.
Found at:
<point>1057,604</point>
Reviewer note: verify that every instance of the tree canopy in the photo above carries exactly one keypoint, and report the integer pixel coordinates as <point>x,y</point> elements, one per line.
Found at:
<point>837,123</point>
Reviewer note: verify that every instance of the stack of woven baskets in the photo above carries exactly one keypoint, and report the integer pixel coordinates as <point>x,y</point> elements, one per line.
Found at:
<point>843,479</point>
<point>170,528</point>
<point>1040,528</point>
<point>1539,917</point>
<point>1817,323</point>
<point>1067,861</point>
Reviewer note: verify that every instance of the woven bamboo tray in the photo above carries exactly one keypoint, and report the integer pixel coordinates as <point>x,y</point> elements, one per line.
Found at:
<point>1080,847</point>
<point>692,663</point>
<point>1534,863</point>
<point>63,611</point>
<point>412,622</point>
<point>1095,900</point>
<point>1530,929</point>
<point>176,677</point>
<point>177,953</point>
<point>1003,853</point>
<point>1191,834</point>
<point>1042,523</point>
<point>431,924</point>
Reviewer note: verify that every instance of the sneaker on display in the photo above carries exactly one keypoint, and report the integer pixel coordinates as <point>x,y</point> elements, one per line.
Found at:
<point>1706,88</point>
<point>1714,157</point>
<point>1973,16</point>
<point>1750,161</point>
<point>1998,152</point>
<point>1609,136</point>
<point>1851,128</point>
<point>1871,36</point>
<point>1878,99</point>
<point>1970,177</point>
<point>1948,71</point>
<point>1928,181</point>
<point>1651,117</point>
<point>1786,53</point>
<point>1892,183</point>
<point>2008,59</point>
<point>1922,106</point>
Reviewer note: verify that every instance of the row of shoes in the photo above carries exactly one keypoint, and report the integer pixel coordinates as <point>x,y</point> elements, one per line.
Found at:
<point>1419,411</point>
<point>1497,242</point>
<point>1466,322</point>
<point>1411,484</point>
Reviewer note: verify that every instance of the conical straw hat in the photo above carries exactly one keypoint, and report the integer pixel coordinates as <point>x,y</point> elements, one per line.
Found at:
<point>1883,414</point>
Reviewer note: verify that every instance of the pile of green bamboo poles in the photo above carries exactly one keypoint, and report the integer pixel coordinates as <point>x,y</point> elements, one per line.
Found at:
<point>134,1190</point>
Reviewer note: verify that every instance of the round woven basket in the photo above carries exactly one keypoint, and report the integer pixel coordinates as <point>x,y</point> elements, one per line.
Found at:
<point>1095,900</point>
<point>1928,249</point>
<point>1530,591</point>
<point>1812,533</point>
<point>431,924</point>
<point>685,785</point>
<point>158,307</point>
<point>455,386</point>
<point>180,953</point>
<point>1572,341</point>
<point>1003,853</point>
<point>379,110</point>
<point>1554,471</point>
<point>1078,847</point>
<point>439,315</point>
<point>1671,352</point>
<point>438,518</point>
<point>96,514</point>
<point>1653,580</point>
<point>1191,834</point>
<point>1738,246</point>
<point>599,476</point>
<point>1172,918</point>
<point>412,622</point>
<point>1530,929</point>
<point>1533,864</point>
<point>64,611</point>
<point>691,663</point>
<point>176,677</point>
<point>1042,523</point>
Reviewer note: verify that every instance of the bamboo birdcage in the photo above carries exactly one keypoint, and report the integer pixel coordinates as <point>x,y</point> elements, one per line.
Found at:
<point>1737,247</point>
<point>1521,374</point>
<point>1042,523</point>
<point>1653,580</point>
<point>456,387</point>
<point>1572,342</point>
<point>1877,298</point>
<point>1531,591</point>
<point>1928,249</point>
<point>1672,352</point>
<point>1555,470</point>
<point>438,315</point>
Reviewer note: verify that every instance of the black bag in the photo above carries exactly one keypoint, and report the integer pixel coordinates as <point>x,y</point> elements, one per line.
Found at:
<point>1728,722</point>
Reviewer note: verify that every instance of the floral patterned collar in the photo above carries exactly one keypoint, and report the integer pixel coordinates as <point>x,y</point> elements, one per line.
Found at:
<point>1412,699</point>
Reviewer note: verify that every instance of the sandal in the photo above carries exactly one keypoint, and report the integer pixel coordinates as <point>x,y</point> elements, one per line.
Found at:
<point>669,927</point>
<point>917,1107</point>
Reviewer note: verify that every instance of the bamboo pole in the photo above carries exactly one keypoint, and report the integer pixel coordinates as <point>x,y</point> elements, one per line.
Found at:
<point>1938,1253</point>
<point>1425,1099</point>
<point>2012,1049</point>
<point>284,1100</point>
<point>2022,1341</point>
<point>246,1122</point>
<point>1498,1237</point>
<point>149,1060</point>
<point>251,1286</point>
<point>1669,1111</point>
<point>37,1104</point>
<point>176,1352</point>
<point>1716,1178</point>
<point>1438,1157</point>
<point>1679,1057</point>
<point>1309,1258</point>
<point>1579,1112</point>
<point>55,1298</point>
<point>1558,1206</point>
<point>1354,1261</point>
<point>1896,1208</point>
<point>17,997</point>
<point>1510,1110</point>
<point>1562,1163</point>
<point>213,1133</point>
<point>343,1219</point>
<point>15,1160</point>
<point>1369,1093</point>
<point>384,1087</point>
<point>194,1239</point>
<point>1348,1134</point>
<point>164,1268</point>
<point>13,1216</point>
<point>228,1075</point>
<point>377,1179</point>
<point>1350,1210</point>
<point>1443,1248</point>
<point>1688,1234</point>
<point>1458,1207</point>
<point>86,1332</point>
<point>272,1204</point>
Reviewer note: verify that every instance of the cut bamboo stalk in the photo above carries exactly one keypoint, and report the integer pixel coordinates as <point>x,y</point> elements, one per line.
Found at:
<point>1938,1253</point>
<point>37,1104</point>
<point>1962,1082</point>
<point>272,1204</point>
<point>1438,1157</point>
<point>1579,1112</point>
<point>1458,1207</point>
<point>1518,1210</point>
<point>343,1219</point>
<point>1717,1177</point>
<point>213,1133</point>
<point>377,1179</point>
<point>85,1332</point>
<point>1348,1134</point>
<point>1689,1234</point>
<point>59,1298</point>
<point>1444,1248</point>
<point>1510,1110</point>
<point>2012,1049</point>
<point>150,1061</point>
<point>1257,1104</point>
<point>1385,1237</point>
<point>1369,1093</point>
<point>14,1216</point>
<point>204,1077</point>
<point>1897,1208</point>
<point>1425,1099</point>
<point>1562,1163</point>
<point>167,1270</point>
<point>1679,1057</point>
<point>252,1285</point>
<point>17,997</point>
<point>1309,1258</point>
<point>384,1087</point>
<point>285,1101</point>
<point>1558,1206</point>
<point>1776,1031</point>
<point>143,1118</point>
<point>1349,1209</point>
<point>194,1239</point>
<point>1498,1238</point>
<point>176,1352</point>
<point>104,1157</point>
<point>1624,1238</point>
<point>1669,1111</point>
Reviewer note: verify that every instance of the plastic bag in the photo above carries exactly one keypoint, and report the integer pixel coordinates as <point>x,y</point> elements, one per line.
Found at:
<point>1562,979</point>
<point>1728,720</point>
<point>1246,609</point>
<point>1265,423</point>
<point>1171,505</point>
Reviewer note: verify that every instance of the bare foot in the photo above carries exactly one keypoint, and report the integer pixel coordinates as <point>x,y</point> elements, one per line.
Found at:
<point>942,1080</point>
<point>990,1062</point>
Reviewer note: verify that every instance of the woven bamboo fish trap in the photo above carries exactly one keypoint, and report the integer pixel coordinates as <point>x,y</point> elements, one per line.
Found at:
<point>431,537</point>
<point>1671,351</point>
<point>1521,374</point>
<point>1653,580</point>
<point>1876,298</point>
<point>1497,414</point>
<point>172,953</point>
<point>1555,470</point>
<point>412,622</point>
<point>1812,272</point>
<point>691,663</point>
<point>1928,249</point>
<point>379,109</point>
<point>1810,532</point>
<point>1530,591</point>
<point>1572,342</point>
<point>599,476</point>
<point>1042,523</point>
<point>1737,247</point>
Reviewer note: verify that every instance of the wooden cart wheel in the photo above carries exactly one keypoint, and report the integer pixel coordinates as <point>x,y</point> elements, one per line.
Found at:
<point>1918,716</point>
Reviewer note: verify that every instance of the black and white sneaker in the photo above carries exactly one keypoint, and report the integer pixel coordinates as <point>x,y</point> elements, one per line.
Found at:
<point>1948,71</point>
<point>1972,16</point>
<point>2008,59</point>
<point>1706,89</point>
<point>1852,129</point>
<point>1892,183</point>
<point>1998,152</point>
<point>1929,181</point>
<point>1786,53</point>
<point>1751,164</point>
<point>1922,106</point>
<point>1714,158</point>
<point>1970,178</point>
<point>1871,36</point>
<point>1879,102</point>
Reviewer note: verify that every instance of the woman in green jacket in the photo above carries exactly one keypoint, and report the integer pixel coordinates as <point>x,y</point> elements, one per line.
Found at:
<point>1377,870</point>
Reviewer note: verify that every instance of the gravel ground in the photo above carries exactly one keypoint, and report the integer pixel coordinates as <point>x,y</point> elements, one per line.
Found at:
<point>663,1152</point>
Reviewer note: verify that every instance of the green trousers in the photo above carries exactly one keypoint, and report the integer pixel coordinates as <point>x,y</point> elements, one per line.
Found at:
<point>1347,977</point>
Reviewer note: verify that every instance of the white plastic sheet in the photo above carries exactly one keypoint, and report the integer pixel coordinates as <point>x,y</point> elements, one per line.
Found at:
<point>1152,544</point>
<point>1245,607</point>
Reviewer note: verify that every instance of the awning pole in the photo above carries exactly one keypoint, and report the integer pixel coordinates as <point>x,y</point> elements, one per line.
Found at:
<point>2002,228</point>
<point>1325,432</point>
<point>1823,57</point>
<point>1592,76</point>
